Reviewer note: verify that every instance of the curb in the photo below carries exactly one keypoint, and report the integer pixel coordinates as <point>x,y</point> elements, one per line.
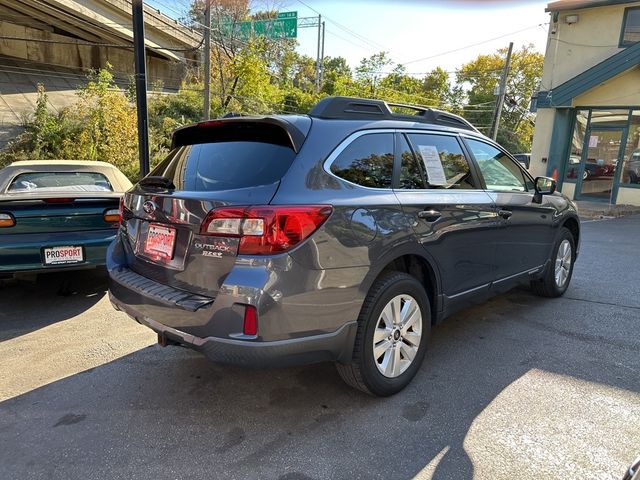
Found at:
<point>614,211</point>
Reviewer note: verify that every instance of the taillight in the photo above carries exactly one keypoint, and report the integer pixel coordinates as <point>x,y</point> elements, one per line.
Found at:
<point>250,324</point>
<point>112,215</point>
<point>210,123</point>
<point>264,230</point>
<point>121,210</point>
<point>58,200</point>
<point>7,220</point>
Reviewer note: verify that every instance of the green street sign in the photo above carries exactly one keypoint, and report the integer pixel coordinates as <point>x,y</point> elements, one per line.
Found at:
<point>285,25</point>
<point>287,14</point>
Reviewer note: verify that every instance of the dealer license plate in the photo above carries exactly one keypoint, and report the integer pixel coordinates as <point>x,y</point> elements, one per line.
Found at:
<point>62,255</point>
<point>160,242</point>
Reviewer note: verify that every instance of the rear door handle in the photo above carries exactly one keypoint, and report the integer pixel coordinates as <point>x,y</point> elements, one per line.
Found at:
<point>506,214</point>
<point>429,215</point>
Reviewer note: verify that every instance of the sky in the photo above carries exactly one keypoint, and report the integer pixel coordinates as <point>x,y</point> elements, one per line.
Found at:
<point>418,34</point>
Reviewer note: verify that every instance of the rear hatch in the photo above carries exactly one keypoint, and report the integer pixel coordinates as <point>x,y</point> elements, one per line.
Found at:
<point>224,163</point>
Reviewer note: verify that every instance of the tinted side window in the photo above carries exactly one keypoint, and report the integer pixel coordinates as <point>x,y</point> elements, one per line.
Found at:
<point>444,163</point>
<point>411,175</point>
<point>499,171</point>
<point>367,161</point>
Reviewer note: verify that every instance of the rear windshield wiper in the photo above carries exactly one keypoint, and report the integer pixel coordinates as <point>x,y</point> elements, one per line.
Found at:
<point>158,182</point>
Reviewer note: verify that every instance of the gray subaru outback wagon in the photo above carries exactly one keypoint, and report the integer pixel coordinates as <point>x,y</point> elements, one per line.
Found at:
<point>343,235</point>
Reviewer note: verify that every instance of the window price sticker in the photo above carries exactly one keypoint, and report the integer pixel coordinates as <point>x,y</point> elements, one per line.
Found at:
<point>433,165</point>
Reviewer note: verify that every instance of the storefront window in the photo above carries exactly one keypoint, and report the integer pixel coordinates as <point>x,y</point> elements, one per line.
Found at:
<point>609,118</point>
<point>577,142</point>
<point>631,166</point>
<point>630,27</point>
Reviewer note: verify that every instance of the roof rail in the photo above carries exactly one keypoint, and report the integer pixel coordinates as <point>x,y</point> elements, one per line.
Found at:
<point>349,108</point>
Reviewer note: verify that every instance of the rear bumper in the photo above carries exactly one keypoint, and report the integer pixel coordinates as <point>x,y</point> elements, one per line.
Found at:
<point>304,315</point>
<point>23,252</point>
<point>334,346</point>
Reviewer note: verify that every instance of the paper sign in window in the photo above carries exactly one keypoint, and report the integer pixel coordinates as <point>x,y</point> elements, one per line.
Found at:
<point>433,165</point>
<point>593,141</point>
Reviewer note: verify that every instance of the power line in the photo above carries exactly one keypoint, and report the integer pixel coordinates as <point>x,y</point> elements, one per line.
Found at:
<point>375,45</point>
<point>362,38</point>
<point>21,20</point>
<point>95,44</point>
<point>471,45</point>
<point>109,32</point>
<point>167,6</point>
<point>477,72</point>
<point>220,93</point>
<point>100,26</point>
<point>118,75</point>
<point>583,44</point>
<point>348,41</point>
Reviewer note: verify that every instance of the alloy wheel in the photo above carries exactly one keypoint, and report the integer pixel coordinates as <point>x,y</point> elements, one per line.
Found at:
<point>397,335</point>
<point>563,263</point>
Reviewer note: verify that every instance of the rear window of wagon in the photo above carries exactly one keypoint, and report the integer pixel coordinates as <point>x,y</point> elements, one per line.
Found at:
<point>227,158</point>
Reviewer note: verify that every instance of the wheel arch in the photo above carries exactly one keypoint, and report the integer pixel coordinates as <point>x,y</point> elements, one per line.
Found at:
<point>419,267</point>
<point>573,225</point>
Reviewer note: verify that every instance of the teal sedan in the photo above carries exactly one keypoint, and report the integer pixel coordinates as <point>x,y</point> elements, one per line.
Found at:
<point>58,214</point>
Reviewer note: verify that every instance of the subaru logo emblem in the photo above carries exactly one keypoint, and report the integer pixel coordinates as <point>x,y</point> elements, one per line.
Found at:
<point>149,207</point>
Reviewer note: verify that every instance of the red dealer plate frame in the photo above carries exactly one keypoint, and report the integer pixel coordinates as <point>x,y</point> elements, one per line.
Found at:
<point>160,242</point>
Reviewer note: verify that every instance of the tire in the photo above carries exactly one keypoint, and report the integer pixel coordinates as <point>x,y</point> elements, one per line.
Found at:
<point>366,372</point>
<point>549,285</point>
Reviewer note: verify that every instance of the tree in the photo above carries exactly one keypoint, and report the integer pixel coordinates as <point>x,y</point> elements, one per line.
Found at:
<point>338,78</point>
<point>437,86</point>
<point>236,53</point>
<point>370,71</point>
<point>337,66</point>
<point>101,125</point>
<point>480,78</point>
<point>107,125</point>
<point>254,91</point>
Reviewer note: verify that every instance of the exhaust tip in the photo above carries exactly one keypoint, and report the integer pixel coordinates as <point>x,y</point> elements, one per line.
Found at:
<point>163,341</point>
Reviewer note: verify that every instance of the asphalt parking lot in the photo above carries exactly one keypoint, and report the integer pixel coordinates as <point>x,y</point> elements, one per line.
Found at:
<point>521,387</point>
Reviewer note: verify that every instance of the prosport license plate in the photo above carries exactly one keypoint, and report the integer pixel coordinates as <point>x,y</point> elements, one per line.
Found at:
<point>160,242</point>
<point>62,255</point>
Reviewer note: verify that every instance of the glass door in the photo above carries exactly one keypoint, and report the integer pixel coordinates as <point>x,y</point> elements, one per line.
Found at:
<point>599,163</point>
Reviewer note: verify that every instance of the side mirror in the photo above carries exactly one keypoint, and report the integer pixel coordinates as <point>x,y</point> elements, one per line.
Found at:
<point>544,186</point>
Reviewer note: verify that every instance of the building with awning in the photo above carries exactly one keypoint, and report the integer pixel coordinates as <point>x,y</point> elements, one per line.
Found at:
<point>587,132</point>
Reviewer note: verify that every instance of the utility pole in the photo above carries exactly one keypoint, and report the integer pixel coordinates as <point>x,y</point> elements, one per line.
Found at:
<point>495,125</point>
<point>141,84</point>
<point>207,60</point>
<point>318,54</point>
<point>322,60</point>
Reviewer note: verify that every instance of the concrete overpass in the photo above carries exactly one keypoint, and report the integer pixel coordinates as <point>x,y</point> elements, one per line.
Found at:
<point>55,42</point>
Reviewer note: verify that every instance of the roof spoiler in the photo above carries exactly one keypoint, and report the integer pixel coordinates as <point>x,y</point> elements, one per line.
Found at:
<point>279,127</point>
